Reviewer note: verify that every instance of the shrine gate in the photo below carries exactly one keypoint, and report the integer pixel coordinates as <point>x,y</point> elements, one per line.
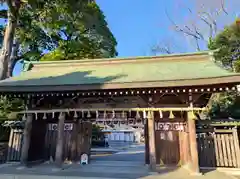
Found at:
<point>166,93</point>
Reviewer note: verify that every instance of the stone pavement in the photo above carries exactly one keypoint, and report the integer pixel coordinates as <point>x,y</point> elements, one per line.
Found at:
<point>100,170</point>
<point>132,153</point>
<point>127,164</point>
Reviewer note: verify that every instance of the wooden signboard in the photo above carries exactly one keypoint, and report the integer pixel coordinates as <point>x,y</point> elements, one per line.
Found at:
<point>54,127</point>
<point>170,126</point>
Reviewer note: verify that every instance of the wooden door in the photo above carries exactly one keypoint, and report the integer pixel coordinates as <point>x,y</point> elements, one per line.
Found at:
<point>77,140</point>
<point>167,148</point>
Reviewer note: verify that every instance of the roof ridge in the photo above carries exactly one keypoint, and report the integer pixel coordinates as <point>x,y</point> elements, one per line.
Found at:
<point>120,58</point>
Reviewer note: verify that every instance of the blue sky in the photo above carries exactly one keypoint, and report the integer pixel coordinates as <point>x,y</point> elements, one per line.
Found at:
<point>138,25</point>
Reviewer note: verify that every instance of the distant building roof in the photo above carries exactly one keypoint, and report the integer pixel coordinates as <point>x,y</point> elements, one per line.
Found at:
<point>121,128</point>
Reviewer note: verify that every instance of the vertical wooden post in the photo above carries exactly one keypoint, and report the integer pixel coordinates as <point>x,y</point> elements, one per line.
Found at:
<point>146,141</point>
<point>74,142</point>
<point>60,138</point>
<point>236,144</point>
<point>10,144</point>
<point>26,138</point>
<point>193,143</point>
<point>151,138</point>
<point>187,154</point>
<point>79,139</point>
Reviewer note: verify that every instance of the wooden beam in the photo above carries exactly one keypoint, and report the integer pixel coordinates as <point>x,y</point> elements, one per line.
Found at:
<point>60,140</point>
<point>111,109</point>
<point>26,138</point>
<point>193,143</point>
<point>151,138</point>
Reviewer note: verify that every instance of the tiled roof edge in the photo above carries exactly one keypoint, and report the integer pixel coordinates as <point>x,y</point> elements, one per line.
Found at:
<point>210,53</point>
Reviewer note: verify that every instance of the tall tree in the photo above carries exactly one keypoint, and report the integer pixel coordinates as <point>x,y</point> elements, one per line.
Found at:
<point>81,30</point>
<point>227,44</point>
<point>12,14</point>
<point>61,30</point>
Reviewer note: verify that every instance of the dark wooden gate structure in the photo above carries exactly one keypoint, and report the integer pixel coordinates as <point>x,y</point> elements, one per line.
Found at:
<point>218,146</point>
<point>91,89</point>
<point>171,142</point>
<point>167,148</point>
<point>43,141</point>
<point>74,141</point>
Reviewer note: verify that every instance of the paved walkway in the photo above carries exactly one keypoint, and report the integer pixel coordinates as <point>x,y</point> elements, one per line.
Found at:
<point>128,164</point>
<point>100,171</point>
<point>134,153</point>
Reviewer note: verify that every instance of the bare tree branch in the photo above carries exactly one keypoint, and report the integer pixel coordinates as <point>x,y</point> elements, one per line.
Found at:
<point>162,49</point>
<point>201,25</point>
<point>223,7</point>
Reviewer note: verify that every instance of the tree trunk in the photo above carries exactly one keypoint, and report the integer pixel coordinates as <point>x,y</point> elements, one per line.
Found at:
<point>13,60</point>
<point>8,39</point>
<point>11,66</point>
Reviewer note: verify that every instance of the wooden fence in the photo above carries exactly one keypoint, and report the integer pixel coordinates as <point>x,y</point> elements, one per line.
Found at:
<point>15,145</point>
<point>3,152</point>
<point>219,148</point>
<point>4,135</point>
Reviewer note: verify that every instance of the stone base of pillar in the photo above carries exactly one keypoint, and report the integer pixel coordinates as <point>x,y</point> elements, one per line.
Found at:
<point>196,174</point>
<point>152,168</point>
<point>190,170</point>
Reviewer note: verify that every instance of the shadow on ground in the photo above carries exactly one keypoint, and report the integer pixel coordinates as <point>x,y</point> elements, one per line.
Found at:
<point>101,169</point>
<point>127,164</point>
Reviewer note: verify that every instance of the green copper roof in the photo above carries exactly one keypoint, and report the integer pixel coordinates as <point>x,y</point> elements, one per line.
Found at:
<point>171,68</point>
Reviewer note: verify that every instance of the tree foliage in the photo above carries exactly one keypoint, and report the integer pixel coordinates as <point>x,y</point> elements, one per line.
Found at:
<point>61,30</point>
<point>225,105</point>
<point>97,133</point>
<point>50,30</point>
<point>8,105</point>
<point>65,30</point>
<point>228,44</point>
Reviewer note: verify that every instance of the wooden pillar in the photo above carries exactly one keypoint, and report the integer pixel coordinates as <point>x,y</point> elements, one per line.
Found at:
<point>74,142</point>
<point>60,140</point>
<point>236,145</point>
<point>151,138</point>
<point>79,139</point>
<point>10,145</point>
<point>186,148</point>
<point>26,138</point>
<point>193,143</point>
<point>146,141</point>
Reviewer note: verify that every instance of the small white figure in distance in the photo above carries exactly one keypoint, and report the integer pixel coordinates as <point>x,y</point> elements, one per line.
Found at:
<point>84,159</point>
